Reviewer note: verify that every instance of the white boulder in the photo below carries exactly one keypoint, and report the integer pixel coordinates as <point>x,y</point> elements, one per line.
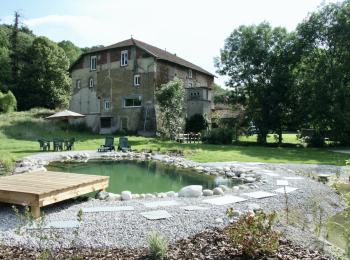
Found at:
<point>102,195</point>
<point>171,194</point>
<point>126,195</point>
<point>218,191</point>
<point>208,193</point>
<point>192,191</point>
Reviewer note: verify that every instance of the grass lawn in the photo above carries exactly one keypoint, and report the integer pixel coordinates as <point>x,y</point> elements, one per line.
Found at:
<point>19,132</point>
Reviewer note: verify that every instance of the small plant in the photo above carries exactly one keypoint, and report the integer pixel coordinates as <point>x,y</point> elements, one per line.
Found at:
<point>77,230</point>
<point>286,203</point>
<point>158,246</point>
<point>25,219</point>
<point>253,234</point>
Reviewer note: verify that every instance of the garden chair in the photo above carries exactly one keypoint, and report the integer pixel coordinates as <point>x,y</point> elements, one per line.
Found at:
<point>124,144</point>
<point>44,145</point>
<point>57,144</point>
<point>108,146</point>
<point>69,143</point>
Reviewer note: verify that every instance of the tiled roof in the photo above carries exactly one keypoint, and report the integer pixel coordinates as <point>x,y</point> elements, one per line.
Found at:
<point>154,51</point>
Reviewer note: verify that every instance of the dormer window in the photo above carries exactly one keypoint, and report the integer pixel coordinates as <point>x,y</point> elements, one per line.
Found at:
<point>136,80</point>
<point>93,62</point>
<point>77,84</point>
<point>190,74</point>
<point>91,83</point>
<point>124,58</point>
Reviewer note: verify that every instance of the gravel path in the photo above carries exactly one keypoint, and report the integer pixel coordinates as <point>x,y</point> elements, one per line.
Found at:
<point>130,229</point>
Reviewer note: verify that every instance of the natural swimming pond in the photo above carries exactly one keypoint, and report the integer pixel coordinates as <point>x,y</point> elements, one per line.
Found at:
<point>142,176</point>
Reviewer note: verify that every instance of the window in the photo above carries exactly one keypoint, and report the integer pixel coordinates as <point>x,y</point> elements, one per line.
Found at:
<point>91,83</point>
<point>190,85</point>
<point>77,84</point>
<point>124,58</point>
<point>124,123</point>
<point>93,62</point>
<point>136,80</point>
<point>133,102</point>
<point>190,74</point>
<point>107,105</point>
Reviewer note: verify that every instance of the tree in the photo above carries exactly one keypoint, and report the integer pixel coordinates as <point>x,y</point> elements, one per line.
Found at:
<point>5,61</point>
<point>323,74</point>
<point>171,98</point>
<point>196,123</point>
<point>45,81</point>
<point>72,52</point>
<point>257,60</point>
<point>8,102</point>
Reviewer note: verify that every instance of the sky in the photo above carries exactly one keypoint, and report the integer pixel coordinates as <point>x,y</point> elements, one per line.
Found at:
<point>193,29</point>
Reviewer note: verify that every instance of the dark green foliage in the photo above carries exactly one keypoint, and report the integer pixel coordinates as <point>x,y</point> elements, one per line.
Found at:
<point>218,136</point>
<point>253,234</point>
<point>196,124</point>
<point>8,102</point>
<point>45,80</point>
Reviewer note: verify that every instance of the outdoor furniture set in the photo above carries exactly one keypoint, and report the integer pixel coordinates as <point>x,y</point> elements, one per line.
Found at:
<point>58,144</point>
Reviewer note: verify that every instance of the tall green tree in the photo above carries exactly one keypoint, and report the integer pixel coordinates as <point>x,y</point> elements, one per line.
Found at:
<point>72,52</point>
<point>171,99</point>
<point>257,61</point>
<point>45,81</point>
<point>323,74</point>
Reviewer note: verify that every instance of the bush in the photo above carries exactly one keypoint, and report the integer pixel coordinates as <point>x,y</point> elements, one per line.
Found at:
<point>218,136</point>
<point>253,234</point>
<point>8,102</point>
<point>158,246</point>
<point>196,124</point>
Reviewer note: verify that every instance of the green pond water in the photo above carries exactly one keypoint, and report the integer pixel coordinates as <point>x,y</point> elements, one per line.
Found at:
<point>335,225</point>
<point>142,177</point>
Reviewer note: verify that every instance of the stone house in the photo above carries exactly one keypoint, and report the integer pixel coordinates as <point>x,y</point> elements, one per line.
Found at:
<point>115,86</point>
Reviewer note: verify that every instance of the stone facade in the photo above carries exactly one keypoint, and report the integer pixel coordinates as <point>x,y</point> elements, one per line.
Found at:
<point>107,94</point>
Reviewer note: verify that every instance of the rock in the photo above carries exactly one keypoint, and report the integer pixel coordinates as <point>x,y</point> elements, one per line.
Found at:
<point>218,191</point>
<point>235,188</point>
<point>171,194</point>
<point>102,195</point>
<point>113,196</point>
<point>224,188</point>
<point>208,192</point>
<point>192,191</point>
<point>236,213</point>
<point>149,196</point>
<point>219,220</point>
<point>126,195</point>
<point>249,179</point>
<point>136,196</point>
<point>161,195</point>
<point>254,207</point>
<point>243,187</point>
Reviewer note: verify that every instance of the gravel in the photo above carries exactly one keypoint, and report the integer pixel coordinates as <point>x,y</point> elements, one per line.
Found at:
<point>128,229</point>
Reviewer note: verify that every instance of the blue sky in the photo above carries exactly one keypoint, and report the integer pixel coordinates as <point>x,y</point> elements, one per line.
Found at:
<point>194,30</point>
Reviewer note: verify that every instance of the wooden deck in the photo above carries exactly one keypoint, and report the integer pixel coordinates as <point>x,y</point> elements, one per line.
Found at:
<point>39,189</point>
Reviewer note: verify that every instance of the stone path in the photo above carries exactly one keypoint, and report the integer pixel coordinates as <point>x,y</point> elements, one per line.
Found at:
<point>156,214</point>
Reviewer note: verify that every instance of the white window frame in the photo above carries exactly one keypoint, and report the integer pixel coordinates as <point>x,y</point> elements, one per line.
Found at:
<point>91,63</point>
<point>91,83</point>
<point>124,101</point>
<point>137,78</point>
<point>107,105</point>
<point>124,56</point>
<point>190,74</point>
<point>190,85</point>
<point>78,83</point>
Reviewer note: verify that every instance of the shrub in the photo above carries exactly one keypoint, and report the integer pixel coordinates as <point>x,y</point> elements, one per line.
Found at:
<point>8,102</point>
<point>218,136</point>
<point>158,246</point>
<point>196,123</point>
<point>254,235</point>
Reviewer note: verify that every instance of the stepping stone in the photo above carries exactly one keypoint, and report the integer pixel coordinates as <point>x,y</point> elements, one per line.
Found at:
<point>192,208</point>
<point>155,204</point>
<point>224,200</point>
<point>60,224</point>
<point>156,214</point>
<point>259,194</point>
<point>282,183</point>
<point>294,178</point>
<point>107,209</point>
<point>288,189</point>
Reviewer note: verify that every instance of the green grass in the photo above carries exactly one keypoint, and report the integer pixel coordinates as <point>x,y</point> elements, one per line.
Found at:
<point>19,132</point>
<point>288,138</point>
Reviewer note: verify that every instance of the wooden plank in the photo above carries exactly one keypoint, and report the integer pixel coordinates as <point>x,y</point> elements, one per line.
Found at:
<point>44,188</point>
